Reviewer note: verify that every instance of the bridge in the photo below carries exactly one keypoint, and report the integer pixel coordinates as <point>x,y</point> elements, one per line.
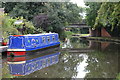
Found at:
<point>83,28</point>
<point>78,25</point>
<point>99,32</point>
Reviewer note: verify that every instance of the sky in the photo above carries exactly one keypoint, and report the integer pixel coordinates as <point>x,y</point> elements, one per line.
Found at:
<point>79,2</point>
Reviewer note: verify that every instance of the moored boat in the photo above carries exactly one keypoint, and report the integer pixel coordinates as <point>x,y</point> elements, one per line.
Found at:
<point>20,44</point>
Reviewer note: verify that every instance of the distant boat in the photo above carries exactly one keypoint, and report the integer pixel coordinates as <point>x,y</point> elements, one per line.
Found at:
<point>20,44</point>
<point>19,66</point>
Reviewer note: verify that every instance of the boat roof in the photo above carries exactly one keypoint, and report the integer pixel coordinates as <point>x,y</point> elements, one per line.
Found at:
<point>36,34</point>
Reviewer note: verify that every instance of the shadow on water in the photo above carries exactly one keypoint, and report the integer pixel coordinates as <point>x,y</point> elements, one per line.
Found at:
<point>101,61</point>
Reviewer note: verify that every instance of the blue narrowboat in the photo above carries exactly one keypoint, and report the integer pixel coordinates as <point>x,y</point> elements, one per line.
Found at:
<point>25,67</point>
<point>20,44</point>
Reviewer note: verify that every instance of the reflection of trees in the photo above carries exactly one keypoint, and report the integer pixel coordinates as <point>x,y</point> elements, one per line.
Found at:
<point>66,68</point>
<point>5,71</point>
<point>77,43</point>
<point>104,46</point>
<point>102,64</point>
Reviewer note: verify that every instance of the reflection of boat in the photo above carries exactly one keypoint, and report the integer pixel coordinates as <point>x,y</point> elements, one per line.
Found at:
<point>20,66</point>
<point>20,44</point>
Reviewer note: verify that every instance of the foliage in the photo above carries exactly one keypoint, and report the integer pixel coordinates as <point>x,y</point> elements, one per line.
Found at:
<point>57,15</point>
<point>84,31</point>
<point>51,17</point>
<point>105,15</point>
<point>91,12</point>
<point>75,30</point>
<point>9,28</point>
<point>69,33</point>
<point>26,27</point>
<point>108,15</point>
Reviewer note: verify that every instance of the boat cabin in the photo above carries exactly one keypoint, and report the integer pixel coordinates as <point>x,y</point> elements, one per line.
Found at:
<point>33,41</point>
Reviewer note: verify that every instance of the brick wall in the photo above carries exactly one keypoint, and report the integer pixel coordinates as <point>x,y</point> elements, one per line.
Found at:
<point>95,33</point>
<point>104,33</point>
<point>101,32</point>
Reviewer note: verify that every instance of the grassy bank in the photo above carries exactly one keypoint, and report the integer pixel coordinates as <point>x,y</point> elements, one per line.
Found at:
<point>69,34</point>
<point>72,34</point>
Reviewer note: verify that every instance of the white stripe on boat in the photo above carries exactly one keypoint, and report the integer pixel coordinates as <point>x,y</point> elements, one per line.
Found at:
<point>16,50</point>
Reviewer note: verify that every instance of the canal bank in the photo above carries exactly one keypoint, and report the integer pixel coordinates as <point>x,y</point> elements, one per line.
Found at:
<point>108,39</point>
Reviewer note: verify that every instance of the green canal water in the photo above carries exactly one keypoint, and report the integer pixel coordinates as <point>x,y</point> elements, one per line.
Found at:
<point>79,59</point>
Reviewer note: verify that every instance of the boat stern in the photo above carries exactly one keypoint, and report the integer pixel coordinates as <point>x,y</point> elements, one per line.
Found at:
<point>16,52</point>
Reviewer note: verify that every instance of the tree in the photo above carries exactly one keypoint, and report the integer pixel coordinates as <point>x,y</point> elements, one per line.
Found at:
<point>109,14</point>
<point>91,13</point>
<point>50,17</point>
<point>109,17</point>
<point>9,28</point>
<point>104,15</point>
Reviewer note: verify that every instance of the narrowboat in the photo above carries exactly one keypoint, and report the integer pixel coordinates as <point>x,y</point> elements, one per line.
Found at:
<point>20,44</point>
<point>20,66</point>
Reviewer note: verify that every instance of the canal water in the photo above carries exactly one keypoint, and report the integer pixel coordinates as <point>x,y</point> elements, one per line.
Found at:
<point>77,58</point>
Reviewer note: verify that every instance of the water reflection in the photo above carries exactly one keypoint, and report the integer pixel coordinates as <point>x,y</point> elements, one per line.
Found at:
<point>20,66</point>
<point>81,67</point>
<point>75,43</point>
<point>65,68</point>
<point>101,62</point>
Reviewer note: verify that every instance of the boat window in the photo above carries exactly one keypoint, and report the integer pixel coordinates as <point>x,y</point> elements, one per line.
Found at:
<point>53,37</point>
<point>53,59</point>
<point>48,60</point>
<point>48,38</point>
<point>43,63</point>
<point>43,39</point>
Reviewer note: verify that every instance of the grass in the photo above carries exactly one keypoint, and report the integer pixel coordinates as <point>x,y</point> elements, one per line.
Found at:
<point>69,33</point>
<point>82,35</point>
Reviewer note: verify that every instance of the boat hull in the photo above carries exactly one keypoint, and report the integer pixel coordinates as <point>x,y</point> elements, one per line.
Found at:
<point>23,52</point>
